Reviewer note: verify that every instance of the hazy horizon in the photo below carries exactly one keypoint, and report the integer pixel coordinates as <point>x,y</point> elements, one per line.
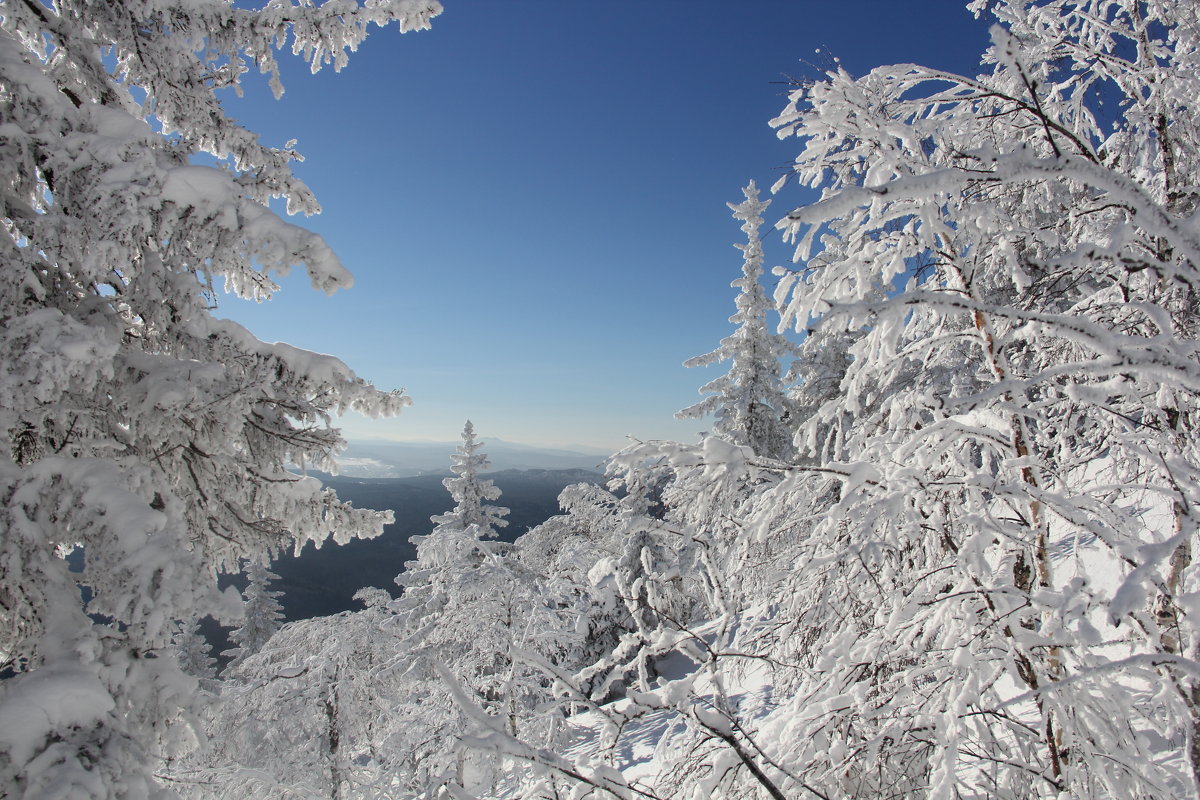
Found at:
<point>487,440</point>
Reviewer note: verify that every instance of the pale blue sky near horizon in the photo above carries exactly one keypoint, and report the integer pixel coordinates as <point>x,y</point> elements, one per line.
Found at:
<point>532,198</point>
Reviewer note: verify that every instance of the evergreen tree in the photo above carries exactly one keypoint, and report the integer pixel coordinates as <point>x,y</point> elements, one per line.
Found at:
<point>134,423</point>
<point>262,614</point>
<point>466,606</point>
<point>749,401</point>
<point>472,493</point>
<point>193,652</point>
<point>446,555</point>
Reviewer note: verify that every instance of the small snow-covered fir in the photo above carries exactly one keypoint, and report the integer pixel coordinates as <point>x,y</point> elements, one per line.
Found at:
<point>263,614</point>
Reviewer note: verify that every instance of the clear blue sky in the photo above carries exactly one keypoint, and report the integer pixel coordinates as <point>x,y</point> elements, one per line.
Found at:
<point>531,196</point>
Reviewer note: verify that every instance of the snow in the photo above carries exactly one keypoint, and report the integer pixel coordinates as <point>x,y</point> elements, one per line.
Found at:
<point>207,190</point>
<point>33,706</point>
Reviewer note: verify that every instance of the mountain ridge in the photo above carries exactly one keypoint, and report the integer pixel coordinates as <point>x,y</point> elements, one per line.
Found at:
<point>388,459</point>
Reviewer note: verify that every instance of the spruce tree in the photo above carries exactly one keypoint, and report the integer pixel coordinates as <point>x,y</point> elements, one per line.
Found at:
<point>446,554</point>
<point>263,614</point>
<point>194,654</point>
<point>471,493</point>
<point>749,401</point>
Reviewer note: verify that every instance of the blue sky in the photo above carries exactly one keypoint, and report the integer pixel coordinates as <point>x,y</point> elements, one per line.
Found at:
<point>531,196</point>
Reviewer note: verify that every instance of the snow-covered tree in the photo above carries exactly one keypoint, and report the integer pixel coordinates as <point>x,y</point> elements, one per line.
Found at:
<point>472,494</point>
<point>136,425</point>
<point>456,545</point>
<point>1012,532</point>
<point>467,606</point>
<point>262,611</point>
<point>574,556</point>
<point>451,556</point>
<point>308,715</point>
<point>749,402</point>
<point>194,653</point>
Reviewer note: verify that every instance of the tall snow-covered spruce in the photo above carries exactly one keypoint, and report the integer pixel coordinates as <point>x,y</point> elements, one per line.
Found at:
<point>749,401</point>
<point>456,544</point>
<point>138,428</point>
<point>466,605</point>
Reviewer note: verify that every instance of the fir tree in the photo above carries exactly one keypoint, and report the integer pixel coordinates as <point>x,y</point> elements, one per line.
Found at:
<point>471,493</point>
<point>263,614</point>
<point>193,652</point>
<point>445,555</point>
<point>749,401</point>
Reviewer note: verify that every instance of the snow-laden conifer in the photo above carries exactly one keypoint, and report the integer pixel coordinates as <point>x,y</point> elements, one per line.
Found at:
<point>194,653</point>
<point>466,606</point>
<point>472,493</point>
<point>263,614</point>
<point>456,546</point>
<point>137,425</point>
<point>749,402</point>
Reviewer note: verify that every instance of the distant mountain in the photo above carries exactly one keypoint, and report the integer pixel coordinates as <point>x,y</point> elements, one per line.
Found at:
<point>380,459</point>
